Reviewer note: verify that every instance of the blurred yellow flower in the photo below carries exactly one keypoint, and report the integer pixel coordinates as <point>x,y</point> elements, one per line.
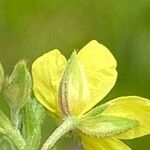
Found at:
<point>73,89</point>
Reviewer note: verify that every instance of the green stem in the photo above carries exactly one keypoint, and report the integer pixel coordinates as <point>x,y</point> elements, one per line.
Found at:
<point>15,136</point>
<point>14,117</point>
<point>67,126</point>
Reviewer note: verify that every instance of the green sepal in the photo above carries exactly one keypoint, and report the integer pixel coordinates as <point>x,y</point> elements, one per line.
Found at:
<point>1,76</point>
<point>19,86</point>
<point>5,124</point>
<point>95,111</point>
<point>33,115</point>
<point>106,126</point>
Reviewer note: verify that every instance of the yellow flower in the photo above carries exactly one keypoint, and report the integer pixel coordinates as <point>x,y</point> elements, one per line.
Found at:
<point>73,89</point>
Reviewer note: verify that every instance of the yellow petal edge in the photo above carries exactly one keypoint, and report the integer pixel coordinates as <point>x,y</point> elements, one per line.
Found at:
<point>93,143</point>
<point>100,68</point>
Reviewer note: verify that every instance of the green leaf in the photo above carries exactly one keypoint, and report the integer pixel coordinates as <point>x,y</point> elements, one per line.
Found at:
<point>19,86</point>
<point>106,126</point>
<point>32,115</point>
<point>1,76</point>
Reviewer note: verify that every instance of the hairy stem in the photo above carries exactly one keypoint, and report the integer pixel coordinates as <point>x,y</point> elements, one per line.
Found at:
<point>14,117</point>
<point>15,136</point>
<point>67,126</point>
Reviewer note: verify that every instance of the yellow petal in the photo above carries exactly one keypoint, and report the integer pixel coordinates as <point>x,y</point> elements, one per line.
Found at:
<point>47,71</point>
<point>131,107</point>
<point>93,143</point>
<point>100,69</point>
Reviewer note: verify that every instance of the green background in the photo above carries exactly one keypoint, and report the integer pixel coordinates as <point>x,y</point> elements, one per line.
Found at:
<point>28,28</point>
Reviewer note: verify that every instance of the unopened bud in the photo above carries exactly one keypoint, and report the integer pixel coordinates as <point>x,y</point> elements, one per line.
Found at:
<point>73,89</point>
<point>19,86</point>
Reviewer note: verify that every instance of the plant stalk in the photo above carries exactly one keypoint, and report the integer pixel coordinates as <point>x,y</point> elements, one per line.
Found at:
<point>67,126</point>
<point>15,136</point>
<point>14,117</point>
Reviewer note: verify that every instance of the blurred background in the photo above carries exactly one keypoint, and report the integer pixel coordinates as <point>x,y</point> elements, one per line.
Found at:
<point>28,28</point>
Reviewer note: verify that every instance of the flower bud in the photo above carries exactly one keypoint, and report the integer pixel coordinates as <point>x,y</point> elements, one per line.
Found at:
<point>73,89</point>
<point>19,86</point>
<point>1,76</point>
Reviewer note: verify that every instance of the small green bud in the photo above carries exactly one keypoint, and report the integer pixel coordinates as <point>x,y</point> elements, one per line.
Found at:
<point>1,76</point>
<point>19,86</point>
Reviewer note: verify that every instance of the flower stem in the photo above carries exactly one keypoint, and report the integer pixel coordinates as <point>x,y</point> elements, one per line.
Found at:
<point>14,117</point>
<point>67,126</point>
<point>15,136</point>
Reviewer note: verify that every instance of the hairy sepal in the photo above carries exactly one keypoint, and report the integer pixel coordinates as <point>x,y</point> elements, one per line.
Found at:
<point>106,126</point>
